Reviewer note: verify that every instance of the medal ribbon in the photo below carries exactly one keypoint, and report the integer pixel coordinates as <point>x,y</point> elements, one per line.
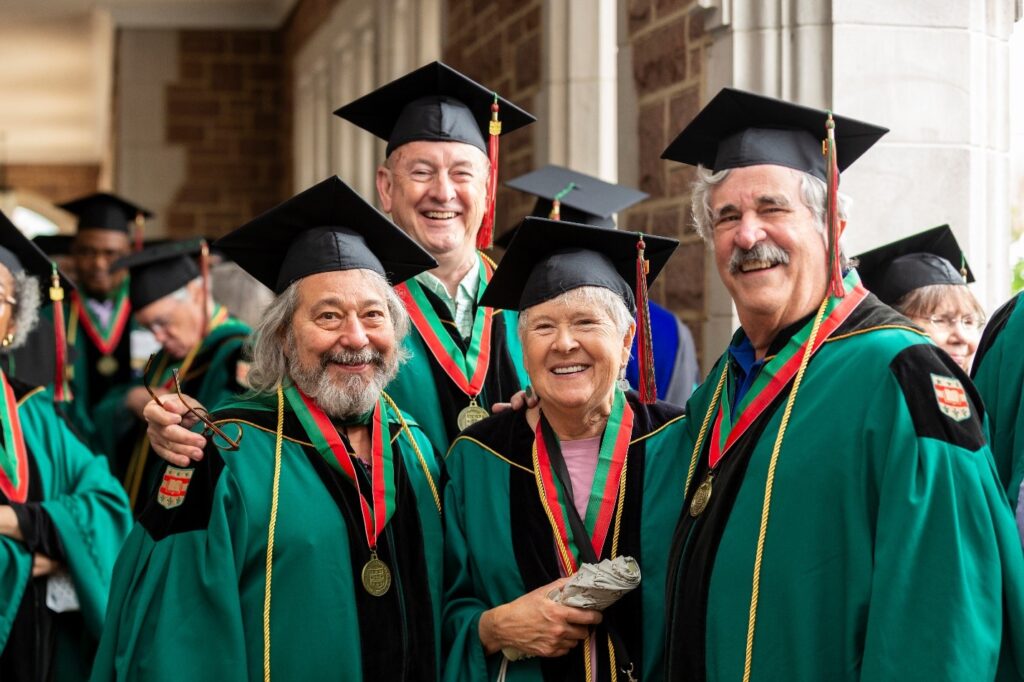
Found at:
<point>467,370</point>
<point>611,459</point>
<point>777,374</point>
<point>328,443</point>
<point>14,466</point>
<point>105,340</point>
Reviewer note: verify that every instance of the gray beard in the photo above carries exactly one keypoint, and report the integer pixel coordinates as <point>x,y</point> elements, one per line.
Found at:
<point>350,396</point>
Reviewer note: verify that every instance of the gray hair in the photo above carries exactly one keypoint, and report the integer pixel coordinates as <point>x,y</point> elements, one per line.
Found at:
<point>813,193</point>
<point>604,299</point>
<point>25,315</point>
<point>269,365</point>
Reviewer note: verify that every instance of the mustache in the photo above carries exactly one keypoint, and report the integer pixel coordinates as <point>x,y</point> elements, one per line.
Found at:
<point>762,251</point>
<point>366,356</point>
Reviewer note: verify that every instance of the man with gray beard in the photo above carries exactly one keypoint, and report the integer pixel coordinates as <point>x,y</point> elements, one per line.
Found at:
<point>305,544</point>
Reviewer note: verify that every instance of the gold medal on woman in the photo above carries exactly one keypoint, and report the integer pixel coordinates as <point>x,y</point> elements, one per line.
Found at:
<point>701,497</point>
<point>470,415</point>
<point>107,365</point>
<point>376,576</point>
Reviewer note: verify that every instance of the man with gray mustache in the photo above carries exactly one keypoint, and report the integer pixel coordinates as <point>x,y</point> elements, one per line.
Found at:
<point>842,519</point>
<point>306,542</point>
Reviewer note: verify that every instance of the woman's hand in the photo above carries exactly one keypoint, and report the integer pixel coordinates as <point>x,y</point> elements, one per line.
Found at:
<point>9,523</point>
<point>518,401</point>
<point>169,433</point>
<point>536,625</point>
<point>44,565</point>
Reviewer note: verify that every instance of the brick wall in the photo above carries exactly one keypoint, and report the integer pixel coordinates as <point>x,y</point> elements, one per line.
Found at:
<point>56,182</point>
<point>669,47</point>
<point>225,109</point>
<point>499,44</point>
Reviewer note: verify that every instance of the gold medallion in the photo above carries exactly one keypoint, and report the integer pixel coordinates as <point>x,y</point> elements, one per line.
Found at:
<point>470,415</point>
<point>107,365</point>
<point>376,576</point>
<point>701,497</point>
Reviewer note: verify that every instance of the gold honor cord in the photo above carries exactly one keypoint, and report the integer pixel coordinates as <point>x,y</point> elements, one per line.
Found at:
<point>762,533</point>
<point>704,428</point>
<point>275,494</point>
<point>615,552</point>
<point>416,449</point>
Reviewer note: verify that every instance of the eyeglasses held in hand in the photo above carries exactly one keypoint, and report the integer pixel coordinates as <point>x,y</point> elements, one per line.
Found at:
<point>210,430</point>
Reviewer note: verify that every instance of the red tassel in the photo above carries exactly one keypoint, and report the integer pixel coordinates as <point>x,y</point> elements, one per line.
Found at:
<point>140,230</point>
<point>645,349</point>
<point>835,269</point>
<point>485,236</point>
<point>204,271</point>
<point>61,390</point>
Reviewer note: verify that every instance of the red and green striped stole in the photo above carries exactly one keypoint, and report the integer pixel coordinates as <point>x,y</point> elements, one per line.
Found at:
<point>467,370</point>
<point>328,443</point>
<point>604,491</point>
<point>105,339</point>
<point>14,462</point>
<point>777,373</point>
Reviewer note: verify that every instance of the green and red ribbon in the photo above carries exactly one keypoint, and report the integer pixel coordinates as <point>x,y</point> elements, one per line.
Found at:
<point>14,465</point>
<point>466,370</point>
<point>777,374</point>
<point>105,340</point>
<point>328,443</point>
<point>604,491</point>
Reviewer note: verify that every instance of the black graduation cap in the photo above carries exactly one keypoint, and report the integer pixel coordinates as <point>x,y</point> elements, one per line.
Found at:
<point>19,254</point>
<point>931,257</point>
<point>582,198</point>
<point>550,257</point>
<point>434,102</point>
<point>327,227</point>
<point>157,271</point>
<point>54,244</point>
<point>104,211</point>
<point>738,129</point>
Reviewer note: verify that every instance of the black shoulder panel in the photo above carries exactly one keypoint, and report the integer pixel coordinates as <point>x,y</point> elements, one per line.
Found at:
<point>183,499</point>
<point>993,329</point>
<point>942,400</point>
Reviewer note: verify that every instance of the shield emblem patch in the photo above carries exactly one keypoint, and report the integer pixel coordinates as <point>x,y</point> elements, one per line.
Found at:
<point>951,397</point>
<point>173,487</point>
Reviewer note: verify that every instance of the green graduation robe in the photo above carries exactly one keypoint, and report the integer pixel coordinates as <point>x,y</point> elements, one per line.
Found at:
<point>890,553</point>
<point>75,512</point>
<point>211,378</point>
<point>188,594</point>
<point>425,391</point>
<point>499,544</point>
<point>999,375</point>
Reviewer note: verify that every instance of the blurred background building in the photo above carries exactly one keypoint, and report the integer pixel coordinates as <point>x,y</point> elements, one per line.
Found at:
<point>211,111</point>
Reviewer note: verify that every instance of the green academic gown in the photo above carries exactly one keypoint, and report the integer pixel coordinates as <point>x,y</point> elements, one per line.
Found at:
<point>425,390</point>
<point>999,375</point>
<point>187,601</point>
<point>76,513</point>
<point>889,553</point>
<point>211,377</point>
<point>499,542</point>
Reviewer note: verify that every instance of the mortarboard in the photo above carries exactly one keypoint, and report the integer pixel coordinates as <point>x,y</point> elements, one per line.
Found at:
<point>104,211</point>
<point>893,270</point>
<point>326,228</point>
<point>54,244</point>
<point>437,103</point>
<point>738,129</point>
<point>548,258</point>
<point>157,271</point>
<point>580,198</point>
<point>434,102</point>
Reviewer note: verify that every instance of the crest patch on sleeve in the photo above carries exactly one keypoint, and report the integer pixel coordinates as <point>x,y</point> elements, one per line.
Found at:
<point>174,486</point>
<point>951,397</point>
<point>942,401</point>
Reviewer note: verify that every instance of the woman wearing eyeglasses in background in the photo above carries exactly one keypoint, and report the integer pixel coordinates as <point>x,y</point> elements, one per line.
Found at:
<point>925,277</point>
<point>63,516</point>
